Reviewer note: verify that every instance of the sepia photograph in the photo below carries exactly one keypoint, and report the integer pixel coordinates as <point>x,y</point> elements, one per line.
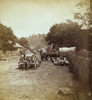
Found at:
<point>45,49</point>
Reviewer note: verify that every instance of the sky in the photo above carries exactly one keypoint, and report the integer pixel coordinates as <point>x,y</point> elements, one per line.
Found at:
<point>27,17</point>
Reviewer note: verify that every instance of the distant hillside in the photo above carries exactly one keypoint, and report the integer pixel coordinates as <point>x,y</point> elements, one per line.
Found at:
<point>37,40</point>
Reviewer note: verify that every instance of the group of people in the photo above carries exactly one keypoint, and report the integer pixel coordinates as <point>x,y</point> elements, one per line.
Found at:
<point>32,59</point>
<point>61,62</point>
<point>29,60</point>
<point>55,57</point>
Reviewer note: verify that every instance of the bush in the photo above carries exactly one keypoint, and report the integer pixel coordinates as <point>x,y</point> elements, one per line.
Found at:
<point>1,54</point>
<point>83,69</point>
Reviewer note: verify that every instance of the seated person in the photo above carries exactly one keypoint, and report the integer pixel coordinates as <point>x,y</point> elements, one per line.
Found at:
<point>66,62</point>
<point>58,61</point>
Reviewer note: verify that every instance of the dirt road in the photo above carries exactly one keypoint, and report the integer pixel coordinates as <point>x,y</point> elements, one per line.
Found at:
<point>43,83</point>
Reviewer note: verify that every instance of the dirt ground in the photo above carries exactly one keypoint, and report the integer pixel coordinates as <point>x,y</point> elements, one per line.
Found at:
<point>44,83</point>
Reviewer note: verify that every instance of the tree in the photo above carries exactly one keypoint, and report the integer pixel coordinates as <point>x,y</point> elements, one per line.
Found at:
<point>86,17</point>
<point>7,38</point>
<point>36,41</point>
<point>70,31</point>
<point>24,42</point>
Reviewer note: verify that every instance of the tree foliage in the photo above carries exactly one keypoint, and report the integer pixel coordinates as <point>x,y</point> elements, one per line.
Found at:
<point>24,42</point>
<point>69,31</point>
<point>86,17</point>
<point>7,38</point>
<point>36,40</point>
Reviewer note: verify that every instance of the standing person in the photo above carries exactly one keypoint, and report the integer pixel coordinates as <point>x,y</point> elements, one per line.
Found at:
<point>28,58</point>
<point>44,57</point>
<point>38,58</point>
<point>21,63</point>
<point>20,52</point>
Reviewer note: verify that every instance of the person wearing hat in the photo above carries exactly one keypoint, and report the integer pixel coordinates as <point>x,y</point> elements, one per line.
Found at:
<point>21,63</point>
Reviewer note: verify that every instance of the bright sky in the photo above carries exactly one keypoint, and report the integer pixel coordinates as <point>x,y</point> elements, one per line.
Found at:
<point>27,17</point>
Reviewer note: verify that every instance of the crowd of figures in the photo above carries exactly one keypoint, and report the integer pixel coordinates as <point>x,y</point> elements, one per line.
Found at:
<point>33,58</point>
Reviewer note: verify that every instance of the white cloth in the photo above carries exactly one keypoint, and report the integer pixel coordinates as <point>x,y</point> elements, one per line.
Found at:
<point>29,55</point>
